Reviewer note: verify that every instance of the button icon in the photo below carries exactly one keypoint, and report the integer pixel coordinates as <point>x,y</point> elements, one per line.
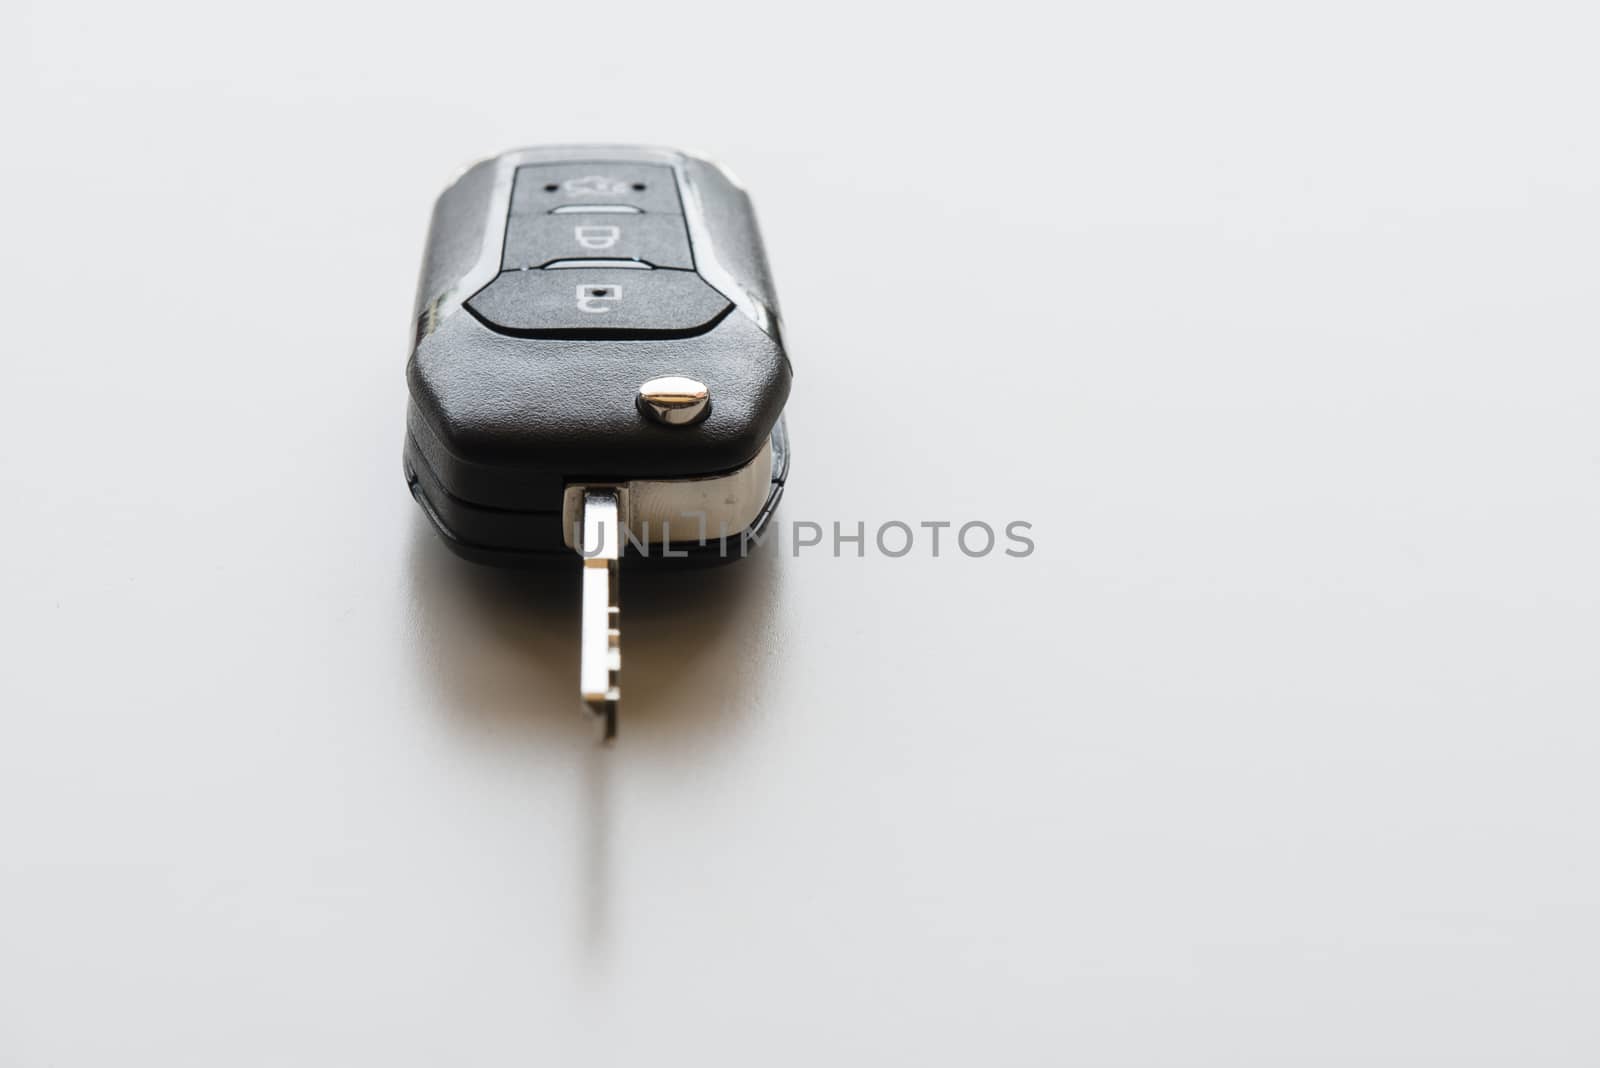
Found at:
<point>594,185</point>
<point>597,237</point>
<point>590,296</point>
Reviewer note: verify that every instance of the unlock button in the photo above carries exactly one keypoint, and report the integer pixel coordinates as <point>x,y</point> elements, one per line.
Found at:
<point>535,240</point>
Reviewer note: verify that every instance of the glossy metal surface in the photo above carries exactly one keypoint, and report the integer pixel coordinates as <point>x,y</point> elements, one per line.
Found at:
<point>600,636</point>
<point>675,400</point>
<point>668,510</point>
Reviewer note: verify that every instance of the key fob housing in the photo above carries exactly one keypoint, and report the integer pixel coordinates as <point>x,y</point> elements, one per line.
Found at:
<point>556,282</point>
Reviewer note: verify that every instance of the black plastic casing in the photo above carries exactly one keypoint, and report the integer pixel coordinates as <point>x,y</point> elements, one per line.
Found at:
<point>500,422</point>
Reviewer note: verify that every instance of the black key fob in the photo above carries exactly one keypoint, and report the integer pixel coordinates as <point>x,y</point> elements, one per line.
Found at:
<point>598,370</point>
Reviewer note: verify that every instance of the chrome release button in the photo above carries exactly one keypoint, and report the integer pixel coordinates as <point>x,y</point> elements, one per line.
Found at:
<point>675,400</point>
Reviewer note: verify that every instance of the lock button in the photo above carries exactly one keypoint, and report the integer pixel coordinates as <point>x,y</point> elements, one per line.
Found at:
<point>545,187</point>
<point>535,240</point>
<point>599,302</point>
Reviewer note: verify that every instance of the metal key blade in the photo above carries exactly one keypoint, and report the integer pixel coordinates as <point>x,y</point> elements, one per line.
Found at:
<point>601,639</point>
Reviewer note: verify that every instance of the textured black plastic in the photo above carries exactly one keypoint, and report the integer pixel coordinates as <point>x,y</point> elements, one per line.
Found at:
<point>526,415</point>
<point>456,235</point>
<point>731,219</point>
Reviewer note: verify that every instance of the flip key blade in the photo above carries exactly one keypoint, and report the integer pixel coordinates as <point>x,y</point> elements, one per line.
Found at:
<point>601,639</point>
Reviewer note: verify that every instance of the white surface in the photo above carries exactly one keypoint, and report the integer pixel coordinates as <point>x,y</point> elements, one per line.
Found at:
<point>1281,328</point>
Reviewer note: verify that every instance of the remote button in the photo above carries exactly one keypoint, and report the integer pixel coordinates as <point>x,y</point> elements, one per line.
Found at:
<point>599,302</point>
<point>534,240</point>
<point>543,187</point>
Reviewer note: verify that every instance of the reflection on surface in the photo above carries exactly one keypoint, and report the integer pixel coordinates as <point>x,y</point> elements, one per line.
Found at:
<point>499,649</point>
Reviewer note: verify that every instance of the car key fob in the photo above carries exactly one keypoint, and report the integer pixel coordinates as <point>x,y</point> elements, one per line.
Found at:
<point>598,373</point>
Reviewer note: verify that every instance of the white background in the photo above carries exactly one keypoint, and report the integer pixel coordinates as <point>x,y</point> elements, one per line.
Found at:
<point>1277,321</point>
